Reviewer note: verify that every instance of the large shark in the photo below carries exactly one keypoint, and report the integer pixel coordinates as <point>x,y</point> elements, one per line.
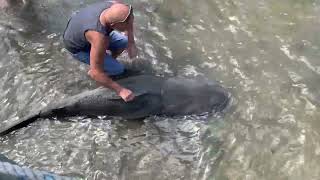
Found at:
<point>154,96</point>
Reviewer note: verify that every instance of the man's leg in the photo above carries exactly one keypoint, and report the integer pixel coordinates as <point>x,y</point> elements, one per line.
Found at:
<point>118,43</point>
<point>111,66</point>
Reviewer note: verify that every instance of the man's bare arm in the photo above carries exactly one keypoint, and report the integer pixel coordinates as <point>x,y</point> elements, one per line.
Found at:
<point>132,49</point>
<point>97,53</point>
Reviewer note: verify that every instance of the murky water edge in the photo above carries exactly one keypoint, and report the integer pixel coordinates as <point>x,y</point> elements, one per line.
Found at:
<point>265,52</point>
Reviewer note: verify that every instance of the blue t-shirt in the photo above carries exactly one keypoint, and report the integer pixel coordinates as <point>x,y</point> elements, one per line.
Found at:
<point>86,19</point>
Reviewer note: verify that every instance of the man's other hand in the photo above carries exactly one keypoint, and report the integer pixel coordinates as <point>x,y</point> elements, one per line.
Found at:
<point>132,51</point>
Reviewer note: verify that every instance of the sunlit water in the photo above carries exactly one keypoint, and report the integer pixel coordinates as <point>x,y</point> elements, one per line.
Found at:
<point>265,52</point>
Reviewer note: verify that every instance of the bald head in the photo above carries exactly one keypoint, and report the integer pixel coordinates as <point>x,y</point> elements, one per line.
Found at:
<point>118,13</point>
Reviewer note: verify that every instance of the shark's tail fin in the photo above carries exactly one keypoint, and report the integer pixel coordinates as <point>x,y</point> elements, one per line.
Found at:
<point>59,110</point>
<point>23,122</point>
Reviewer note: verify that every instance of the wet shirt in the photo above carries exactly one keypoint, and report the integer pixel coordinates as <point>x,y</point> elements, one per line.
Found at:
<point>86,19</point>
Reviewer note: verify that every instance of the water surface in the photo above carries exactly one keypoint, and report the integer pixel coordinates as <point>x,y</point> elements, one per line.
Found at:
<point>265,52</point>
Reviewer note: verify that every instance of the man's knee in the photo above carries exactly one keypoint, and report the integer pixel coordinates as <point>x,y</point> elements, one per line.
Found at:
<point>115,70</point>
<point>113,67</point>
<point>116,53</point>
<point>118,41</point>
<point>123,44</point>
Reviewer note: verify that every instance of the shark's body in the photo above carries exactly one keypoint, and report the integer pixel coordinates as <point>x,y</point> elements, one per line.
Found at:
<point>154,96</point>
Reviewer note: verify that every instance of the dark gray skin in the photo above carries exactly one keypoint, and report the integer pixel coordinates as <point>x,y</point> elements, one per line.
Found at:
<point>154,96</point>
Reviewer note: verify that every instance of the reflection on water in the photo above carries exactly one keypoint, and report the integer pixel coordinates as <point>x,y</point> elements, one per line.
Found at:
<point>265,52</point>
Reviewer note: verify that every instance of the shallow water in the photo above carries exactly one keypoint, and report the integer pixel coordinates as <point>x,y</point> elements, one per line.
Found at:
<point>265,52</point>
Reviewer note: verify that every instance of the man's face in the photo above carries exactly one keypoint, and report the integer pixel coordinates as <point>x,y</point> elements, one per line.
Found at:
<point>123,26</point>
<point>120,26</point>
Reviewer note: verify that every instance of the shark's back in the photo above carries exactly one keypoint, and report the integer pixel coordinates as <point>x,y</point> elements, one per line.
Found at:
<point>102,101</point>
<point>153,96</point>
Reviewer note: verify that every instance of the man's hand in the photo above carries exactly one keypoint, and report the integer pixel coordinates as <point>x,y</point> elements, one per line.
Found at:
<point>126,94</point>
<point>97,52</point>
<point>132,51</point>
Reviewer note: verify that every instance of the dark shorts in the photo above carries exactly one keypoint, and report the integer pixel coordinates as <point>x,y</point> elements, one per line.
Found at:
<point>113,67</point>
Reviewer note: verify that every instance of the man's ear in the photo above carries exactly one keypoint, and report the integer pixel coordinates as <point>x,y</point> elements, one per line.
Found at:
<point>112,25</point>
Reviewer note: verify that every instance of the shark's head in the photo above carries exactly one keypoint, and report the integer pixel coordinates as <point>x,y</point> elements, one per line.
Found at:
<point>182,96</point>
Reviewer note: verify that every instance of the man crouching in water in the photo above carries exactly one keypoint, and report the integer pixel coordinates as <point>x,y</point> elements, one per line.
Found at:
<point>90,33</point>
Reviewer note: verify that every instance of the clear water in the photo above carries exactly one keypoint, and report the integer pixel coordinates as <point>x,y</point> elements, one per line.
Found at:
<point>265,52</point>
